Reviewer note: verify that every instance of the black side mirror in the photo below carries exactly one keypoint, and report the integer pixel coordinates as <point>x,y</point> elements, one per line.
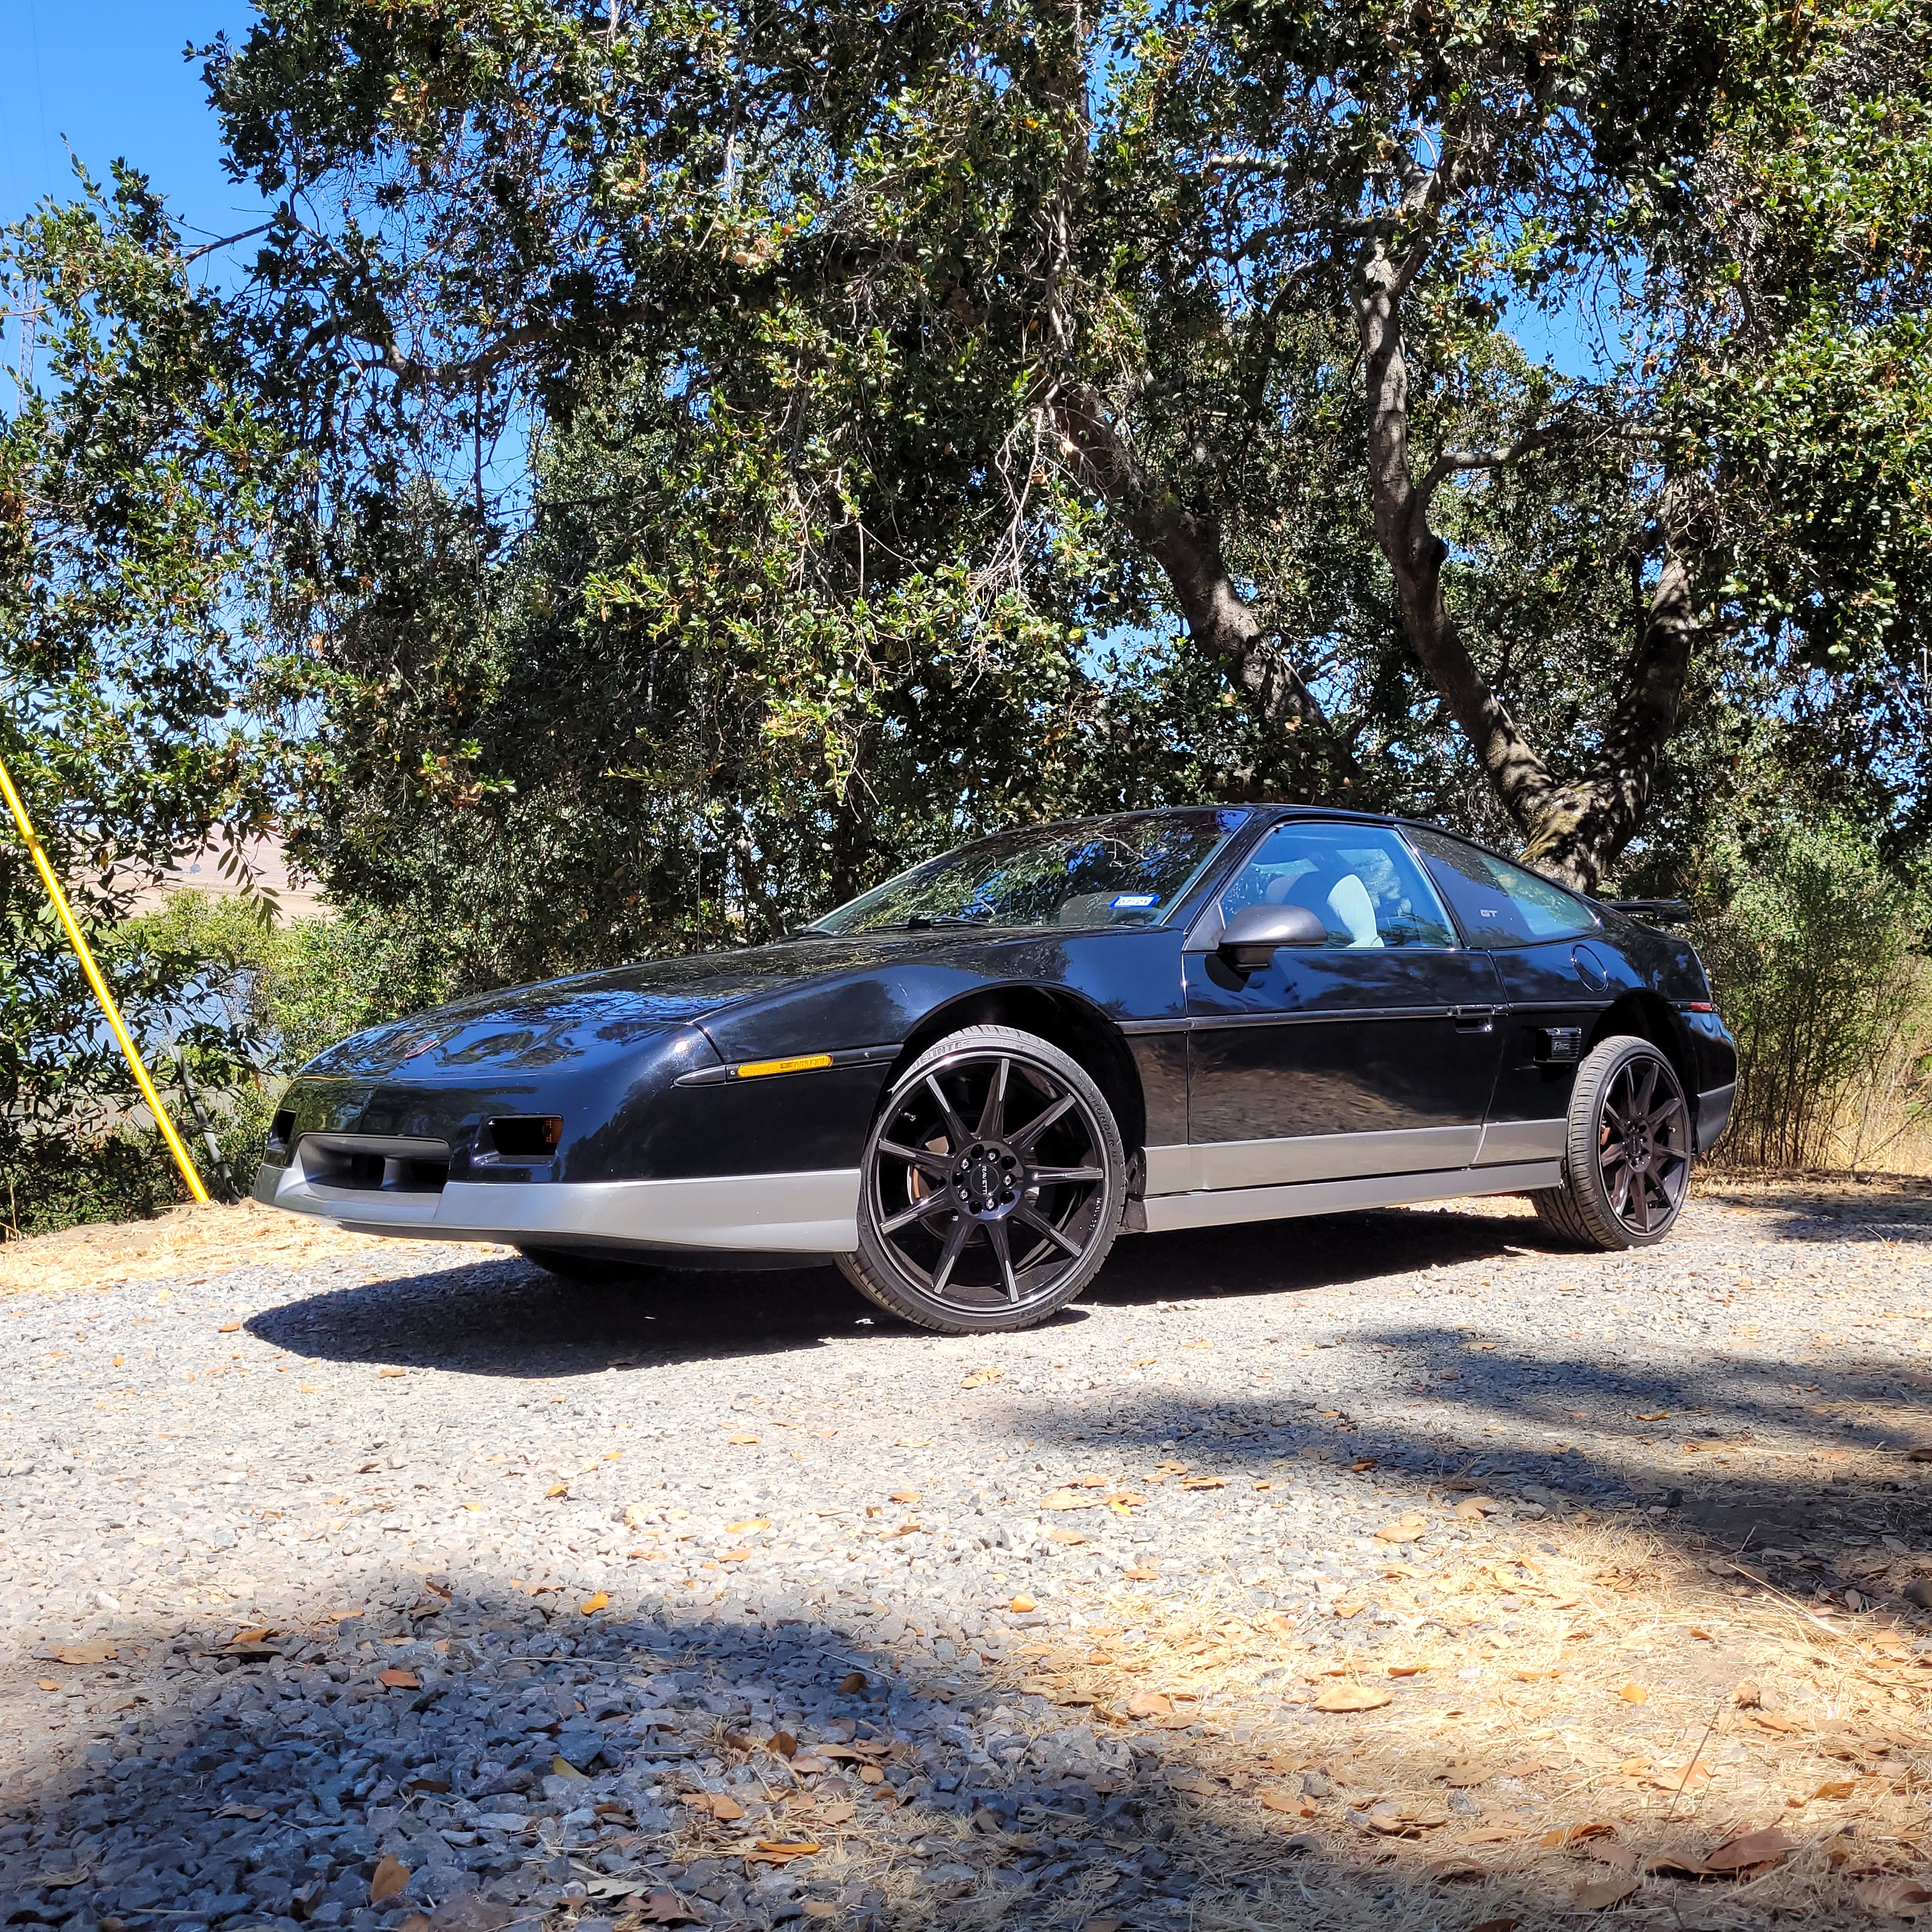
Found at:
<point>1252,937</point>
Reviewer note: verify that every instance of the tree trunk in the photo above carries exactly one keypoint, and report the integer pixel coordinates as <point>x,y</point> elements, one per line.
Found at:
<point>1187,545</point>
<point>1573,831</point>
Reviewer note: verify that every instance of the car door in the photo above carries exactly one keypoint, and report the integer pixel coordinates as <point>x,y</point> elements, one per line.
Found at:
<point>1373,1054</point>
<point>1555,980</point>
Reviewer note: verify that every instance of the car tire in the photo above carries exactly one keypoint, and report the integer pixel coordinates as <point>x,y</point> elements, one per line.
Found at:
<point>1019,1157</point>
<point>1627,1150</point>
<point>587,1271</point>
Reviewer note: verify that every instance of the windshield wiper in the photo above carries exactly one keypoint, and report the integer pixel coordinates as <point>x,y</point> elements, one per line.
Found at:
<point>803,932</point>
<point>921,919</point>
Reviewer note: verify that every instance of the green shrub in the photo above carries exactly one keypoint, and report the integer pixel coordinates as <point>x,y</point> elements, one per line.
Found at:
<point>1816,960</point>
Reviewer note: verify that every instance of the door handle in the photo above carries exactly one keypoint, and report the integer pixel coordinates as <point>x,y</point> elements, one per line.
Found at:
<point>1475,1019</point>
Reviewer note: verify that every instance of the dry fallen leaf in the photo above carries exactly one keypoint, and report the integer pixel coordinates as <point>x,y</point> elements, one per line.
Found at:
<point>1069,1499</point>
<point>724,1810</point>
<point>47,1683</point>
<point>558,1489</point>
<point>666,1908</point>
<point>228,1328</point>
<point>598,1600</point>
<point>400,1680</point>
<point>781,1851</point>
<point>1204,1482</point>
<point>1350,1697</point>
<point>836,1811</point>
<point>1753,1848</point>
<point>853,1683</point>
<point>1020,1606</point>
<point>757,1523</point>
<point>1634,1694</point>
<point>742,1442</point>
<point>1602,1892</point>
<point>97,1652</point>
<point>1140,1573</point>
<point>1836,1787</point>
<point>1455,1867</point>
<point>1894,1897</point>
<point>390,1375</point>
<point>390,1875</point>
<point>1149,1704</point>
<point>1296,1803</point>
<point>562,1767</point>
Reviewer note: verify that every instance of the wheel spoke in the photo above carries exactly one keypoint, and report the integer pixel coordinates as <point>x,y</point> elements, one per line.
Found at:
<point>957,1236</point>
<point>955,1128</point>
<point>919,1209</point>
<point>1039,1124</point>
<point>1617,1177</point>
<point>937,1164</point>
<point>1047,1176</point>
<point>996,1233</point>
<point>993,1115</point>
<point>1644,1090</point>
<point>1041,1224</point>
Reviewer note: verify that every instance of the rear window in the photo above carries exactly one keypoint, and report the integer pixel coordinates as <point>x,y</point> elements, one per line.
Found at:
<point>1496,904</point>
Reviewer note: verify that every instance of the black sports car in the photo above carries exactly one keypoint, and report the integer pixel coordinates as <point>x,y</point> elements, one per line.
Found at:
<point>965,1084</point>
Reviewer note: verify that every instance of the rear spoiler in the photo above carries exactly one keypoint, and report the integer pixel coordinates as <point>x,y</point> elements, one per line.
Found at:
<point>1658,912</point>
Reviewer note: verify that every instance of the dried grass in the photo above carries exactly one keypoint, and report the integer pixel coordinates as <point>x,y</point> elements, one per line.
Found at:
<point>210,1239</point>
<point>1573,1784</point>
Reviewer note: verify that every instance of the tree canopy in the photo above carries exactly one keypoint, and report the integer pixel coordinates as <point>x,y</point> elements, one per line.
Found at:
<point>1212,312</point>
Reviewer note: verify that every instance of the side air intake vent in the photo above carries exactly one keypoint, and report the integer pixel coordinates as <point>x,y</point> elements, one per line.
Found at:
<point>526,1136</point>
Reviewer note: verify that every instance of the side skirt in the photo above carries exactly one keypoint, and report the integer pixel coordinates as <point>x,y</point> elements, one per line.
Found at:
<point>1226,1206</point>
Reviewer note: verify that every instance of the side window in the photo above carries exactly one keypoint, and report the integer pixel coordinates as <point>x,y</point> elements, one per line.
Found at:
<point>1498,904</point>
<point>1361,881</point>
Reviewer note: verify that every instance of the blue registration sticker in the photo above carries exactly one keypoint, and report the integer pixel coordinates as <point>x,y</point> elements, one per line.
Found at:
<point>1134,899</point>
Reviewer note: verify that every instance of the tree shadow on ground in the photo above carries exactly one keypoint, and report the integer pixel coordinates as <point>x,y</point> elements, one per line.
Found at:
<point>949,1795</point>
<point>1787,1474</point>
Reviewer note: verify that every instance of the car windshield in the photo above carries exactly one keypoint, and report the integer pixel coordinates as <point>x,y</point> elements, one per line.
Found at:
<point>1116,871</point>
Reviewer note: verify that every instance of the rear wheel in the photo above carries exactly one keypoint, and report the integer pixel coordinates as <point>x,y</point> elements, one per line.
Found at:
<point>1627,1162</point>
<point>992,1186</point>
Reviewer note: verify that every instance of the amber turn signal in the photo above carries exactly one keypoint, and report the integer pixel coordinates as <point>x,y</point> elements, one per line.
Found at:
<point>800,1063</point>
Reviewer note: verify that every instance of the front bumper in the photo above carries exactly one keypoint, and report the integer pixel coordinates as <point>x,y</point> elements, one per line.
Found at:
<point>781,1213</point>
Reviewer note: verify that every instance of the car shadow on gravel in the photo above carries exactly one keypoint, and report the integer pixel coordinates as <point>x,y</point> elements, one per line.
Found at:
<point>253,1791</point>
<point>508,1318</point>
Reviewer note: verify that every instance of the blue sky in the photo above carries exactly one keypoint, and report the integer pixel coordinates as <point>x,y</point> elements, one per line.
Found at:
<point>109,75</point>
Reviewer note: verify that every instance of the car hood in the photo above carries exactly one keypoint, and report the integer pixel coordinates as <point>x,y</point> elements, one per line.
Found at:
<point>596,1015</point>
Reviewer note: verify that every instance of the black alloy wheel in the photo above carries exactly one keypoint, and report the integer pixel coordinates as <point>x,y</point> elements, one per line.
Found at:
<point>992,1188</point>
<point>1627,1166</point>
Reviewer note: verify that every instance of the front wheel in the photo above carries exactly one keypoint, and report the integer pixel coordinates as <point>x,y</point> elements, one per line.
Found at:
<point>992,1186</point>
<point>1626,1160</point>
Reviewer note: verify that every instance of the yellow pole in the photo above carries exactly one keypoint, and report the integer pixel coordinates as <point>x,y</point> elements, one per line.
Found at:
<point>64,914</point>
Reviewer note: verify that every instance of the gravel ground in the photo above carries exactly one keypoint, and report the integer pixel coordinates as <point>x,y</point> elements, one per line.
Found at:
<point>346,1586</point>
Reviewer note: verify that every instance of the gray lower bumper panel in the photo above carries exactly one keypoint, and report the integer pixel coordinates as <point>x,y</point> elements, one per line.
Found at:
<point>785,1213</point>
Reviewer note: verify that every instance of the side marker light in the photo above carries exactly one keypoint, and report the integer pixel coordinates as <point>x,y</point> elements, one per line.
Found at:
<point>800,1063</point>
